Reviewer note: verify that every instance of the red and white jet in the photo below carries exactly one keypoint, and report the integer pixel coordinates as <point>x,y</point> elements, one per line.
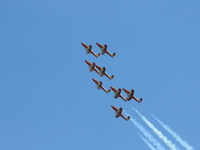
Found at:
<point>99,85</point>
<point>89,50</point>
<point>102,72</point>
<point>117,93</point>
<point>130,95</point>
<point>104,50</point>
<point>92,66</point>
<point>119,113</point>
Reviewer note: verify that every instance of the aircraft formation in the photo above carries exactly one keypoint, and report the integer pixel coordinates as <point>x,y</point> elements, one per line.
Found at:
<point>102,72</point>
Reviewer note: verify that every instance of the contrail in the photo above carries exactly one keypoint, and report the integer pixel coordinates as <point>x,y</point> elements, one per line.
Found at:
<point>146,141</point>
<point>157,132</point>
<point>146,133</point>
<point>177,137</point>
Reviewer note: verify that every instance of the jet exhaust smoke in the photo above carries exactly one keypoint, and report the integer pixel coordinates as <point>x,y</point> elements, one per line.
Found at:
<point>145,133</point>
<point>176,136</point>
<point>146,141</point>
<point>157,132</point>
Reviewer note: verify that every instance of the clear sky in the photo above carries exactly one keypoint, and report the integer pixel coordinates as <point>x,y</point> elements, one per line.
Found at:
<point>48,99</point>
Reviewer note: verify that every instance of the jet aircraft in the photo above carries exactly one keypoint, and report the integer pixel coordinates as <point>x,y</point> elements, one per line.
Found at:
<point>100,86</point>
<point>104,50</point>
<point>89,50</point>
<point>130,95</point>
<point>119,113</point>
<point>117,93</point>
<point>92,66</point>
<point>102,72</point>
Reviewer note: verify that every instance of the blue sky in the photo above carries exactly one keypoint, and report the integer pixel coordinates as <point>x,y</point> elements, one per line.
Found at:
<point>47,97</point>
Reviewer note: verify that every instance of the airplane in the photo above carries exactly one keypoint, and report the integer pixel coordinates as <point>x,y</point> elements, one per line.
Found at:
<point>104,50</point>
<point>99,86</point>
<point>92,66</point>
<point>89,50</point>
<point>117,93</point>
<point>119,113</point>
<point>102,72</point>
<point>131,96</point>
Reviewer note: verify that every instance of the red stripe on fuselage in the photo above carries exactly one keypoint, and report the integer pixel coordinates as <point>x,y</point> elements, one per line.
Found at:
<point>99,45</point>
<point>84,45</point>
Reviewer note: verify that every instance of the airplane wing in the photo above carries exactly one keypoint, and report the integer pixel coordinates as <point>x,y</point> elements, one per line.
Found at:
<point>120,110</point>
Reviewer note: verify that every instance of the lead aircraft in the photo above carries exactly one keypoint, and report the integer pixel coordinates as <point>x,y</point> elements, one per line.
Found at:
<point>100,86</point>
<point>117,93</point>
<point>104,50</point>
<point>102,72</point>
<point>119,113</point>
<point>92,66</point>
<point>89,50</point>
<point>130,95</point>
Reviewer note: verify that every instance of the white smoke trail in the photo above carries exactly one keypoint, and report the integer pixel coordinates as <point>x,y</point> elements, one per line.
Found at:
<point>146,141</point>
<point>157,132</point>
<point>176,136</point>
<point>146,133</point>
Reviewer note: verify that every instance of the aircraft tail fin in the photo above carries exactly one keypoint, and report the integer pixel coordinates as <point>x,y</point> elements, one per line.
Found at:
<point>97,55</point>
<point>113,54</point>
<point>108,90</point>
<point>140,100</point>
<point>127,118</point>
<point>111,77</point>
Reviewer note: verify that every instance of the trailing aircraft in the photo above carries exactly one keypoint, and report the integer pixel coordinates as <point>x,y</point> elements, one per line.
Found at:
<point>117,93</point>
<point>100,86</point>
<point>102,72</point>
<point>89,50</point>
<point>104,50</point>
<point>92,66</point>
<point>130,95</point>
<point>119,113</point>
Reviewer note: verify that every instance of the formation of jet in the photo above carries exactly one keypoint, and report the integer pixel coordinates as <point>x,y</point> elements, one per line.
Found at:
<point>102,71</point>
<point>118,112</point>
<point>103,49</point>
